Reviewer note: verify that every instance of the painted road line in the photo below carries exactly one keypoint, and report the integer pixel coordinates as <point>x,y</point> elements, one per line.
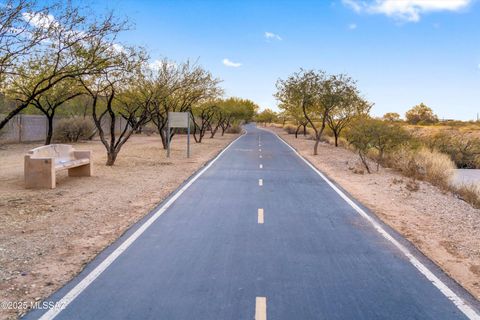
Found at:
<point>261,308</point>
<point>260,150</point>
<point>444,289</point>
<point>82,285</point>
<point>261,166</point>
<point>260,156</point>
<point>260,182</point>
<point>260,216</point>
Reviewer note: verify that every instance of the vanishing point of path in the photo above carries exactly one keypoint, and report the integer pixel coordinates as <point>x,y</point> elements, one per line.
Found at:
<point>260,234</point>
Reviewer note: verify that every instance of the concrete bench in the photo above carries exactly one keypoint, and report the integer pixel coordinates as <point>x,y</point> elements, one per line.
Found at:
<point>41,164</point>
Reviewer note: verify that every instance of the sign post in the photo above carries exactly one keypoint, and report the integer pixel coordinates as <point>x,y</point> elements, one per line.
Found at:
<point>178,120</point>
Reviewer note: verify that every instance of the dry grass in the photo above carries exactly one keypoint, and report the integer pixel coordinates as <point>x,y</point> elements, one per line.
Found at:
<point>469,193</point>
<point>290,129</point>
<point>424,164</point>
<point>234,129</point>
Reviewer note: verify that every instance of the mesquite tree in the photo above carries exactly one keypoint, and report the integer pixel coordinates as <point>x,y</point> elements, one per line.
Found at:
<point>21,32</point>
<point>49,101</point>
<point>304,88</point>
<point>348,107</point>
<point>202,117</point>
<point>293,110</point>
<point>179,87</point>
<point>21,89</point>
<point>114,96</point>
<point>73,46</point>
<point>324,99</point>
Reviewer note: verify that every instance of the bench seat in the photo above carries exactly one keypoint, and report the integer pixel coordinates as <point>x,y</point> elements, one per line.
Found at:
<point>65,164</point>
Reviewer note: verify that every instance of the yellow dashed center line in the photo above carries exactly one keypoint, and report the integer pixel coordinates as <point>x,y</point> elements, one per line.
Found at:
<point>261,308</point>
<point>260,216</point>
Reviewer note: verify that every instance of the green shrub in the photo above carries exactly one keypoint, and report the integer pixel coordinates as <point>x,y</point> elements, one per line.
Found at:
<point>421,115</point>
<point>375,138</point>
<point>463,149</point>
<point>73,129</point>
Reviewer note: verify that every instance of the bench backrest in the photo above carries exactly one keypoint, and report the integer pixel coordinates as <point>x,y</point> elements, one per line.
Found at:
<point>61,152</point>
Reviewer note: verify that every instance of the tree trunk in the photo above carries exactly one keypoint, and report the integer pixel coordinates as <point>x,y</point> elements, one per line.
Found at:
<point>111,157</point>
<point>214,131</point>
<point>364,161</point>
<point>304,130</point>
<point>315,147</point>
<point>48,139</point>
<point>296,131</point>
<point>13,113</point>
<point>163,137</point>
<point>336,138</point>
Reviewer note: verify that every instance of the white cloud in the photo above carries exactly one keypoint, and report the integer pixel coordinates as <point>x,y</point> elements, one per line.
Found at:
<point>407,10</point>
<point>39,20</point>
<point>352,26</point>
<point>229,63</point>
<point>118,48</point>
<point>155,65</point>
<point>354,5</point>
<point>159,64</point>
<point>271,35</point>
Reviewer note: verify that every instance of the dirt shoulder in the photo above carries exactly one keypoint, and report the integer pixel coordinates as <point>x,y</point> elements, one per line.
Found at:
<point>47,236</point>
<point>445,228</point>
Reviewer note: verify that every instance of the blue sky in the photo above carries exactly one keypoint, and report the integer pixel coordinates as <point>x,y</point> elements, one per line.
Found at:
<point>401,52</point>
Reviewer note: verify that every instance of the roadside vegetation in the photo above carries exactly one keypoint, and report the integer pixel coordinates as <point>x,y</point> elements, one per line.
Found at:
<point>60,60</point>
<point>330,108</point>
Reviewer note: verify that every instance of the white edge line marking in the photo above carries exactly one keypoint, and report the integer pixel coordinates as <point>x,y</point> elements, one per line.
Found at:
<point>261,308</point>
<point>261,166</point>
<point>260,182</point>
<point>82,285</point>
<point>452,296</point>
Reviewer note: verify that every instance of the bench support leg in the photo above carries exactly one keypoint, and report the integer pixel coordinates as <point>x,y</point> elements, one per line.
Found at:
<point>39,174</point>
<point>82,171</point>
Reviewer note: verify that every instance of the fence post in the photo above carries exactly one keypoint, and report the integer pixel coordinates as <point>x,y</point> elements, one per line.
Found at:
<point>20,124</point>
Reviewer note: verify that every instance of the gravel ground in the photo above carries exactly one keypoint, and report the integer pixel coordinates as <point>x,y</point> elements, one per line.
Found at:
<point>443,227</point>
<point>47,236</point>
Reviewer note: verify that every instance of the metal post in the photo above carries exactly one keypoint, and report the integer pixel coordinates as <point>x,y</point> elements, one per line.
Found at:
<point>188,137</point>
<point>168,140</point>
